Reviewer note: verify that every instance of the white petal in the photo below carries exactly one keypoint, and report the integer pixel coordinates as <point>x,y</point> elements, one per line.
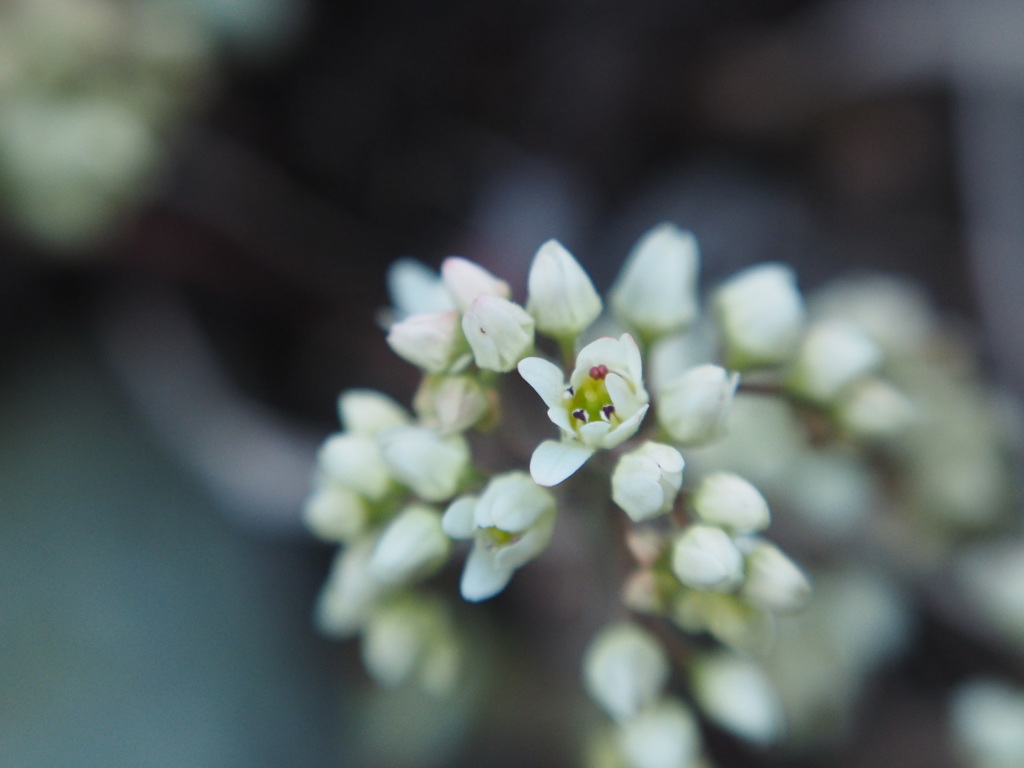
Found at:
<point>528,546</point>
<point>593,433</point>
<point>458,522</point>
<point>415,288</point>
<point>626,401</point>
<point>554,461</point>
<point>545,377</point>
<point>625,430</point>
<point>482,577</point>
<point>466,280</point>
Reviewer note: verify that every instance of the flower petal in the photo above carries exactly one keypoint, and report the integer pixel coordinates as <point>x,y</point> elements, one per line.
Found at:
<point>554,461</point>
<point>483,577</point>
<point>458,521</point>
<point>545,377</point>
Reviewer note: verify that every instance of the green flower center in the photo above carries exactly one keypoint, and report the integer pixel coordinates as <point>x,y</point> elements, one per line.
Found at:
<point>590,400</point>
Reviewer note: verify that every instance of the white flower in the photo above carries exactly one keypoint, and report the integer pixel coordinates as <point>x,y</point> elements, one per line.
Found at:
<point>601,406</point>
<point>988,723</point>
<point>645,481</point>
<point>625,669</point>
<point>875,409</point>
<point>662,736</point>
<point>499,332</point>
<point>411,547</point>
<point>692,408</point>
<point>727,500</point>
<point>367,412</point>
<point>452,403</point>
<point>773,580</point>
<point>656,290</point>
<point>431,465</point>
<point>350,593</point>
<point>416,289</point>
<point>354,461</point>
<point>706,558</point>
<point>736,694</point>
<point>561,296</point>
<point>466,280</point>
<point>761,316</point>
<point>510,523</point>
<point>833,354</point>
<point>334,512</point>
<point>431,341</point>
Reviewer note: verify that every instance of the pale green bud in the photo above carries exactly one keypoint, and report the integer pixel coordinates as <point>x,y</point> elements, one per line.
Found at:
<point>410,638</point>
<point>693,407</point>
<point>430,341</point>
<point>706,558</point>
<point>656,291</point>
<point>727,500</point>
<point>367,412</point>
<point>773,580</point>
<point>561,296</point>
<point>760,315</point>
<point>335,513</point>
<point>350,593</point>
<point>452,403</point>
<point>411,547</point>
<point>646,481</point>
<point>832,356</point>
<point>431,465</point>
<point>499,332</point>
<point>737,695</point>
<point>662,736</point>
<point>875,409</point>
<point>465,281</point>
<point>354,461</point>
<point>625,669</point>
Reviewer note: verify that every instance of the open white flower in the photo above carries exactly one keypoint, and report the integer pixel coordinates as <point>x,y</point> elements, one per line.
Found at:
<point>561,297</point>
<point>510,523</point>
<point>646,481</point>
<point>656,292</point>
<point>601,406</point>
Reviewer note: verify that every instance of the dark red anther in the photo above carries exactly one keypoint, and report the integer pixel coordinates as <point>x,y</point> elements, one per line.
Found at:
<point>599,372</point>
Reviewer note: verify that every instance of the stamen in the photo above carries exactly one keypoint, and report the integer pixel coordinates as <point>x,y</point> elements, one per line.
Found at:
<point>580,414</point>
<point>598,372</point>
<point>607,412</point>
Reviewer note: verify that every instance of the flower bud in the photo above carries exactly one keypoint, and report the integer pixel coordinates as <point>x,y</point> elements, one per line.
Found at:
<point>415,288</point>
<point>512,502</point>
<point>655,292</point>
<point>350,593</point>
<point>335,513</point>
<point>737,695</point>
<point>431,465</point>
<point>760,315</point>
<point>430,341</point>
<point>466,280</point>
<point>833,354</point>
<point>875,409</point>
<point>645,481</point>
<point>561,296</point>
<point>729,501</point>
<point>987,717</point>
<point>662,736</point>
<point>625,669</point>
<point>354,461</point>
<point>411,547</point>
<point>367,412</point>
<point>774,581</point>
<point>705,558</point>
<point>499,332</point>
<point>452,403</point>
<point>693,407</point>
<point>409,638</point>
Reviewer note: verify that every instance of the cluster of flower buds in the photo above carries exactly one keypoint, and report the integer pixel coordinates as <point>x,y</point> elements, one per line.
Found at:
<point>399,491</point>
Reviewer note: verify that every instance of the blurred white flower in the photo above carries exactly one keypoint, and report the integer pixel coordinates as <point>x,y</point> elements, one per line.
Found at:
<point>664,735</point>
<point>774,581</point>
<point>988,724</point>
<point>646,481</point>
<point>367,412</point>
<point>833,355</point>
<point>760,315</point>
<point>452,403</point>
<point>625,669</point>
<point>737,695</point>
<point>465,281</point>
<point>692,408</point>
<point>601,406</point>
<point>706,558</point>
<point>418,457</point>
<point>561,296</point>
<point>411,547</point>
<point>727,500</point>
<point>432,341</point>
<point>350,593</point>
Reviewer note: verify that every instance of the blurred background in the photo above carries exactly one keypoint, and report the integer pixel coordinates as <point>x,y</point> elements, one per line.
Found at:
<point>198,203</point>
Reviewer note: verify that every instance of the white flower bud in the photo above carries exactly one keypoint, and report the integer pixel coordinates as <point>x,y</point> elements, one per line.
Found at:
<point>561,296</point>
<point>431,465</point>
<point>466,280</point>
<point>625,669</point>
<point>354,461</point>
<point>350,593</point>
<point>774,581</point>
<point>499,332</point>
<point>662,736</point>
<point>367,412</point>
<point>645,481</point>
<point>412,547</point>
<point>875,409</point>
<point>706,558</point>
<point>693,407</point>
<point>833,354</point>
<point>737,695</point>
<point>656,290</point>
<point>512,502</point>
<point>430,341</point>
<point>395,640</point>
<point>451,403</point>
<point>415,288</point>
<point>334,512</point>
<point>988,723</point>
<point>729,501</point>
<point>760,314</point>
